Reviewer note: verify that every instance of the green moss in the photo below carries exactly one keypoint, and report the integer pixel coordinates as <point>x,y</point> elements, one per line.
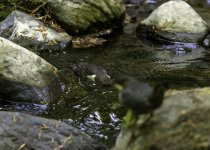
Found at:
<point>191,132</point>
<point>129,120</point>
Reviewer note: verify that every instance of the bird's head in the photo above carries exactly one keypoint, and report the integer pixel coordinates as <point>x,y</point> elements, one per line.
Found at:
<point>158,93</point>
<point>122,81</point>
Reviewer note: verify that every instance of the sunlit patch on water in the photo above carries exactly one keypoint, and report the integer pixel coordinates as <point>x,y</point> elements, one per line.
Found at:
<point>178,46</point>
<point>29,108</point>
<point>97,112</point>
<point>150,1</point>
<point>97,128</point>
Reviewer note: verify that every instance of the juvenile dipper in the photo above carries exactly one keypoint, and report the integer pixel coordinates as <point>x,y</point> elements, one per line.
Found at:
<point>138,96</point>
<point>93,72</point>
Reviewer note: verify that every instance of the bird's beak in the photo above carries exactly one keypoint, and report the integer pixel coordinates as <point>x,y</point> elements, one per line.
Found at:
<point>118,87</point>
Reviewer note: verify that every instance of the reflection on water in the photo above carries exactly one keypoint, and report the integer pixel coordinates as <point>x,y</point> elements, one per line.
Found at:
<point>95,109</point>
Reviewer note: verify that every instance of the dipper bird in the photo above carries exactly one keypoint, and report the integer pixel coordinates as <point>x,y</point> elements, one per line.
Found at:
<point>140,97</point>
<point>93,72</point>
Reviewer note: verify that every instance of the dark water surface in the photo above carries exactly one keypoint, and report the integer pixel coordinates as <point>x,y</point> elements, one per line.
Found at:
<point>94,108</point>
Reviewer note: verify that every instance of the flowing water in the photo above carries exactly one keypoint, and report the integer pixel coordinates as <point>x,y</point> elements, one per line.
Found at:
<point>95,108</point>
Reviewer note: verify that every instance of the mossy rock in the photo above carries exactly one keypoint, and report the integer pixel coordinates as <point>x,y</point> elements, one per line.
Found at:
<point>181,123</point>
<point>87,16</point>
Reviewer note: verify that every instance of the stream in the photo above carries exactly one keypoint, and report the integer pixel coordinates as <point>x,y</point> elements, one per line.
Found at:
<point>95,109</point>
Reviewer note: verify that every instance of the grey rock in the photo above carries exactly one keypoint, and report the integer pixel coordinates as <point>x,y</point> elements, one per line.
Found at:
<point>31,33</point>
<point>21,131</point>
<point>87,16</point>
<point>24,76</point>
<point>174,21</point>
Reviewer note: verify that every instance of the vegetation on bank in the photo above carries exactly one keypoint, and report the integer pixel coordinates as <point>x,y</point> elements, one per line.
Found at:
<point>29,6</point>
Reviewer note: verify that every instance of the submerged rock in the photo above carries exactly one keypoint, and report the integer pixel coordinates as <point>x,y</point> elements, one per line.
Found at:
<point>181,123</point>
<point>174,21</point>
<point>21,131</point>
<point>24,76</point>
<point>87,16</point>
<point>29,32</point>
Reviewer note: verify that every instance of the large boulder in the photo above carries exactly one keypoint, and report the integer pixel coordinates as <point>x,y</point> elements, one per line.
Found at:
<point>31,33</point>
<point>24,76</point>
<point>181,123</point>
<point>21,131</point>
<point>174,21</point>
<point>87,16</point>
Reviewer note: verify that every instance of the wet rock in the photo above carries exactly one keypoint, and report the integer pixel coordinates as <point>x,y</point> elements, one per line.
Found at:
<point>93,72</point>
<point>24,76</point>
<point>174,21</point>
<point>206,41</point>
<point>29,32</point>
<point>87,16</point>
<point>181,123</point>
<point>21,131</point>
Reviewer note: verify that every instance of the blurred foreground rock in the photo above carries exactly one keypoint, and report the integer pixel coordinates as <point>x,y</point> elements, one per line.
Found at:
<point>181,123</point>
<point>24,132</point>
